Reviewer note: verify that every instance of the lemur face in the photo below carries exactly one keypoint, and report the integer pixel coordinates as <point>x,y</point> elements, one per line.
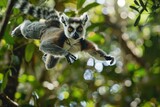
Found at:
<point>74,27</point>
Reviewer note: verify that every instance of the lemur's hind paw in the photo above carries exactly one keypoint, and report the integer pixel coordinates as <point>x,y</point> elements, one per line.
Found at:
<point>110,58</point>
<point>16,32</point>
<point>51,62</point>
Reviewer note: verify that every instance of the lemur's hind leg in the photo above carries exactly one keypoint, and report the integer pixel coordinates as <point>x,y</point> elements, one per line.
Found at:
<point>49,60</point>
<point>30,30</point>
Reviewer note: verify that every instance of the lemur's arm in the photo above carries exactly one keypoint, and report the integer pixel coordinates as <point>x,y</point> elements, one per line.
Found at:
<point>53,49</point>
<point>93,50</point>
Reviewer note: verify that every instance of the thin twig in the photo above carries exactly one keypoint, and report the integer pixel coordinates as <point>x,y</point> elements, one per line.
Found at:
<point>6,99</point>
<point>6,17</point>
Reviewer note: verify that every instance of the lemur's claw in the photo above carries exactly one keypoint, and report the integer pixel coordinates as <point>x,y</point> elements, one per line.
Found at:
<point>110,58</point>
<point>44,57</point>
<point>70,58</point>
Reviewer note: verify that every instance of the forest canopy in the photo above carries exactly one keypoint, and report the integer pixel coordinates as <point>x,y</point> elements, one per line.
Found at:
<point>128,30</point>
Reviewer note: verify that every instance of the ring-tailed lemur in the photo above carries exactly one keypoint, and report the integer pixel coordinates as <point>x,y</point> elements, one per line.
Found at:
<point>56,41</point>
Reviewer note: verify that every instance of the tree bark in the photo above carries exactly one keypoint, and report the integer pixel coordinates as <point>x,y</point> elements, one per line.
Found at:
<point>6,17</point>
<point>8,96</point>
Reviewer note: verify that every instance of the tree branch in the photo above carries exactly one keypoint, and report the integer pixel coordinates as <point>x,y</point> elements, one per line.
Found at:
<point>6,17</point>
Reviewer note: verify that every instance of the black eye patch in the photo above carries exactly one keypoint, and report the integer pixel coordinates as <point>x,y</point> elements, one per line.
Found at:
<point>70,29</point>
<point>79,29</point>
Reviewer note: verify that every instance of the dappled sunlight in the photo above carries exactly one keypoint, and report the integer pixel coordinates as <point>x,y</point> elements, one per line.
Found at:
<point>127,83</point>
<point>102,90</point>
<point>99,67</point>
<point>88,74</point>
<point>127,30</point>
<point>115,89</point>
<point>48,85</point>
<point>121,3</point>
<point>98,64</point>
<point>124,15</point>
<point>131,15</point>
<point>135,102</point>
<point>63,95</point>
<point>90,62</point>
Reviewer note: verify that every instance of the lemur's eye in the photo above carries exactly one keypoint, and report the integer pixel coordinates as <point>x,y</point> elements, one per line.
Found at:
<point>70,29</point>
<point>79,29</point>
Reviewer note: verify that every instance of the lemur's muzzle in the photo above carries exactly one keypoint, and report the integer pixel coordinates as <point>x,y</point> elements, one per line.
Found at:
<point>76,36</point>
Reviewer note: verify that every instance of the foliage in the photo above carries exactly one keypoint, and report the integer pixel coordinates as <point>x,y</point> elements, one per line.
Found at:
<point>132,81</point>
<point>150,6</point>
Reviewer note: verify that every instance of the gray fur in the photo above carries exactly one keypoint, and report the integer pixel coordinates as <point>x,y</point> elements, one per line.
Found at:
<point>49,60</point>
<point>50,48</point>
<point>37,11</point>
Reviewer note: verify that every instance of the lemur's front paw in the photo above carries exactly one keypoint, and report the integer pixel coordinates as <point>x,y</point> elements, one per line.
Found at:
<point>44,57</point>
<point>109,58</point>
<point>70,58</point>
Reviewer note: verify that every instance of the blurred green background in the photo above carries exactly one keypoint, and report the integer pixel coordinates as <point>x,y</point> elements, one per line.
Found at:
<point>129,30</point>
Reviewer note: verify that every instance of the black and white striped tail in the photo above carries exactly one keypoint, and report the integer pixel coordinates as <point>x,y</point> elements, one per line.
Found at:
<point>36,11</point>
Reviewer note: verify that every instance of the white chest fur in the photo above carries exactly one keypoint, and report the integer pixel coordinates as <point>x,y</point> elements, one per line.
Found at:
<point>72,45</point>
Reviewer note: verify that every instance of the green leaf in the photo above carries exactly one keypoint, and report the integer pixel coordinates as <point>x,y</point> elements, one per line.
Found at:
<point>141,11</point>
<point>23,78</point>
<point>70,13</point>
<point>3,3</point>
<point>143,5</point>
<point>88,7</point>
<point>154,7</point>
<point>141,2</point>
<point>97,38</point>
<point>130,67</point>
<point>153,1</point>
<point>1,82</point>
<point>29,50</point>
<point>31,78</point>
<point>7,37</point>
<point>137,20</point>
<point>15,60</point>
<point>80,3</point>
<point>136,2</point>
<point>1,77</point>
<point>140,72</point>
<point>5,80</point>
<point>20,20</point>
<point>134,8</point>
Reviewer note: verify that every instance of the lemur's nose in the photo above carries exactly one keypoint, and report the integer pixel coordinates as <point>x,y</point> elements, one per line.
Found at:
<point>76,36</point>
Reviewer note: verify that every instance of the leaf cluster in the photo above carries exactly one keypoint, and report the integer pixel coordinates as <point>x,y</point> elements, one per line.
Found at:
<point>149,6</point>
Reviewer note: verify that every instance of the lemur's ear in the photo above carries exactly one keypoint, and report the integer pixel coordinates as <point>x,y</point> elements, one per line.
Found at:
<point>64,19</point>
<point>84,18</point>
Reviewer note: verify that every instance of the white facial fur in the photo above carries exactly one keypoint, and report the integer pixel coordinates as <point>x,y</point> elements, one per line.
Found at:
<point>77,24</point>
